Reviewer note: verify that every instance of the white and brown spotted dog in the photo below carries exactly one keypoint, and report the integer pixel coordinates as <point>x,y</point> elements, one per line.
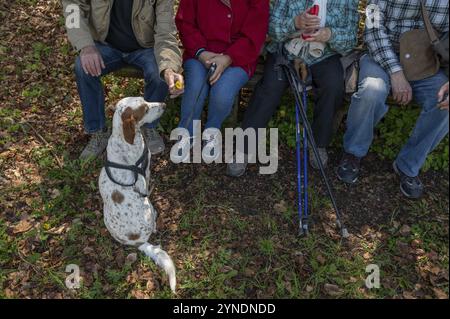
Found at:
<point>128,213</point>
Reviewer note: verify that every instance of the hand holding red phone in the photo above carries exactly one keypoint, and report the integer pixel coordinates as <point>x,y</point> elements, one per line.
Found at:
<point>313,11</point>
<point>308,21</point>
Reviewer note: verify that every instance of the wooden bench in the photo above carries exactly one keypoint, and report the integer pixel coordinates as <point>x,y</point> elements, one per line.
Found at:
<point>130,71</point>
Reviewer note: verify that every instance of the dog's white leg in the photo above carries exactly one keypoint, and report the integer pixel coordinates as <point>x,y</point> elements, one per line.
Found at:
<point>163,260</point>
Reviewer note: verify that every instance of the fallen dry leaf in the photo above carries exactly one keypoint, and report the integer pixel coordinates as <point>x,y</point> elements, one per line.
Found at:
<point>440,294</point>
<point>249,272</point>
<point>333,290</point>
<point>54,193</point>
<point>280,207</point>
<point>22,226</point>
<point>321,259</point>
<point>405,230</point>
<point>409,295</point>
<point>131,258</point>
<point>367,255</point>
<point>435,270</point>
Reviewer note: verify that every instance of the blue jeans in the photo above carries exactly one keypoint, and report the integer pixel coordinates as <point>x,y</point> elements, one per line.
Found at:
<point>368,107</point>
<point>221,94</point>
<point>91,91</point>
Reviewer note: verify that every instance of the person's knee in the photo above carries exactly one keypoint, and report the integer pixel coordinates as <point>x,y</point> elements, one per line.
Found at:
<point>431,104</point>
<point>152,77</point>
<point>194,74</point>
<point>154,80</point>
<point>442,117</point>
<point>194,68</point>
<point>222,99</point>
<point>374,90</point>
<point>270,88</point>
<point>79,71</point>
<point>333,87</point>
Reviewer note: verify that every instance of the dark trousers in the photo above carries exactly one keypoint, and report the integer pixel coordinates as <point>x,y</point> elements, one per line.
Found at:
<point>328,86</point>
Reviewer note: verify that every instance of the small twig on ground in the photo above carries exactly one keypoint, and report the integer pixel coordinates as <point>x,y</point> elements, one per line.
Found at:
<point>37,270</point>
<point>222,207</point>
<point>60,164</point>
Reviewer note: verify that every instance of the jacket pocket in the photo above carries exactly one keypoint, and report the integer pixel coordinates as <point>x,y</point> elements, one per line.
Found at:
<point>144,23</point>
<point>100,17</point>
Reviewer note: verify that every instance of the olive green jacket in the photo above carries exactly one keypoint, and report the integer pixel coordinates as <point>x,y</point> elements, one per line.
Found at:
<point>152,21</point>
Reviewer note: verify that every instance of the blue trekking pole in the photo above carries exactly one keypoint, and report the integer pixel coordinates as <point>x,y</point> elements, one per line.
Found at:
<point>305,170</point>
<point>296,84</point>
<point>299,171</point>
<point>302,161</point>
<point>284,66</point>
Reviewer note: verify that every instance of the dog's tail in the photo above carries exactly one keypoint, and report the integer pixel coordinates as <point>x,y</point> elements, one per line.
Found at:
<point>163,260</point>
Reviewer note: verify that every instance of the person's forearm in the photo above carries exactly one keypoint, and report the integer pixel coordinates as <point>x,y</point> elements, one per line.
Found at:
<point>378,42</point>
<point>167,51</point>
<point>79,35</point>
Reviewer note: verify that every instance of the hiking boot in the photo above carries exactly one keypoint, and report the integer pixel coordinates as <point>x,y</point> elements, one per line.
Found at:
<point>349,168</point>
<point>96,146</point>
<point>153,140</point>
<point>237,169</point>
<point>323,157</point>
<point>411,187</point>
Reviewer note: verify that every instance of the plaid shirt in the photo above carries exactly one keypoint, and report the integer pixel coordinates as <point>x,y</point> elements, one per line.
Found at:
<point>397,17</point>
<point>342,19</point>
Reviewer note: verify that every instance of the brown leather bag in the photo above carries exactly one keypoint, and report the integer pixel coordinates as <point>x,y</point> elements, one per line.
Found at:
<point>417,51</point>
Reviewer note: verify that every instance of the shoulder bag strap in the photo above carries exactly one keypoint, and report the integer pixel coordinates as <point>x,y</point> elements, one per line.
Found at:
<point>426,18</point>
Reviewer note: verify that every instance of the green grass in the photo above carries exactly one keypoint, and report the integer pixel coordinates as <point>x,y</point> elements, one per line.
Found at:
<point>275,263</point>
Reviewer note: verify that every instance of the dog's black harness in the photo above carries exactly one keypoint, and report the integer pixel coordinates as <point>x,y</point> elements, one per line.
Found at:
<point>138,169</point>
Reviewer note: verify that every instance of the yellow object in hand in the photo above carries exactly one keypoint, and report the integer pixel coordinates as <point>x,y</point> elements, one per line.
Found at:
<point>179,85</point>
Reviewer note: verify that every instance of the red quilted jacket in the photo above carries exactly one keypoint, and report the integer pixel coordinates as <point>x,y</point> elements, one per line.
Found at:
<point>237,28</point>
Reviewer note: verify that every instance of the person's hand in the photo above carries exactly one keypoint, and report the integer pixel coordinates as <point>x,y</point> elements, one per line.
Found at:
<point>322,35</point>
<point>443,97</point>
<point>205,58</point>
<point>401,89</point>
<point>91,61</point>
<point>222,62</point>
<point>175,82</point>
<point>307,22</point>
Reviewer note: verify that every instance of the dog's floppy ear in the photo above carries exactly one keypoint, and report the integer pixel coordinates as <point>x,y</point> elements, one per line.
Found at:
<point>129,125</point>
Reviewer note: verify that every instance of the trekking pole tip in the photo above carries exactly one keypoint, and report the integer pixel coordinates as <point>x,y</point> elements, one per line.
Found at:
<point>303,230</point>
<point>345,233</point>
